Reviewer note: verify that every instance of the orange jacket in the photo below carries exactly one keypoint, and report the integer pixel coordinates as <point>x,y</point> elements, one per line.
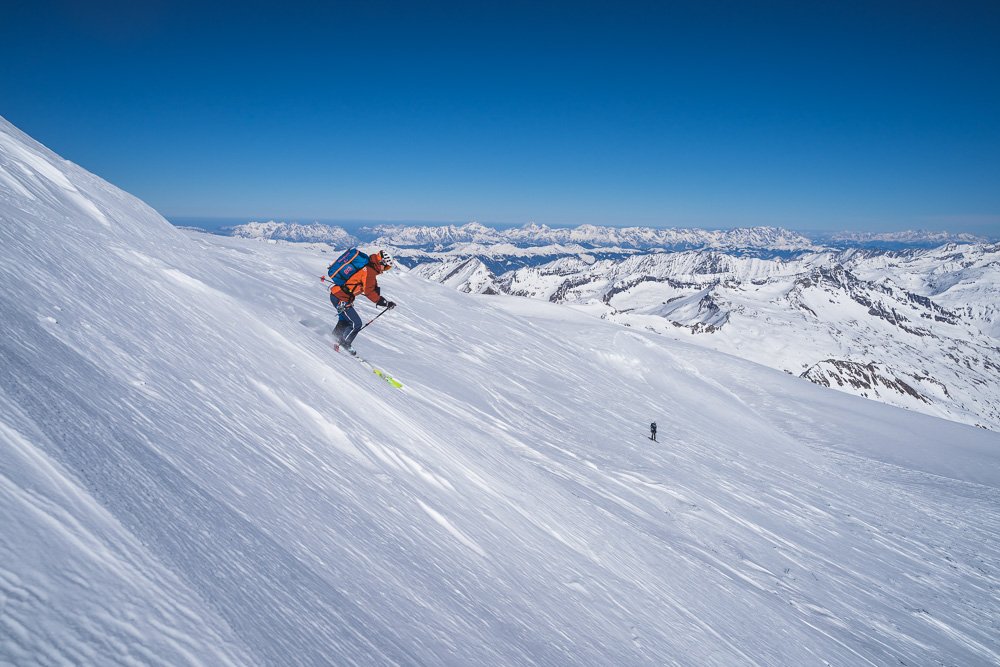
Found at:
<point>364,281</point>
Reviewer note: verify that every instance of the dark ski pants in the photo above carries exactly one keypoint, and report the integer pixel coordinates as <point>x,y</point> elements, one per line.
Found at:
<point>348,324</point>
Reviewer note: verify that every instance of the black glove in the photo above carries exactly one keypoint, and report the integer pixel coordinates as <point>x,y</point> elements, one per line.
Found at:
<point>390,305</point>
<point>382,303</point>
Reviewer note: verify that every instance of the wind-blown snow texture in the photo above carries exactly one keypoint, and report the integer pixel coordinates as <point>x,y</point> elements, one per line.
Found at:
<point>190,475</point>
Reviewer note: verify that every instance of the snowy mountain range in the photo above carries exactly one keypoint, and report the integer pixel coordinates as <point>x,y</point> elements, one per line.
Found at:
<point>917,329</point>
<point>589,236</point>
<point>908,237</point>
<point>455,238</point>
<point>190,475</point>
<point>314,233</point>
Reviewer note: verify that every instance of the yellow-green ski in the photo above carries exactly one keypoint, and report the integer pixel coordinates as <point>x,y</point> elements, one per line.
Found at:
<point>388,378</point>
<point>378,371</point>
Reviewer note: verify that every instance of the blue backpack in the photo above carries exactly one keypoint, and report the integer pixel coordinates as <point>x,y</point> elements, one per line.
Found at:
<point>346,266</point>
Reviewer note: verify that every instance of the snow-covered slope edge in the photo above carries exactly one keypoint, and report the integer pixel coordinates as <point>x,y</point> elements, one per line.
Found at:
<point>85,576</point>
<point>191,475</point>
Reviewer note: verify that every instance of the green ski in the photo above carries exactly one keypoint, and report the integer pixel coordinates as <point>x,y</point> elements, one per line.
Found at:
<point>385,376</point>
<point>377,371</point>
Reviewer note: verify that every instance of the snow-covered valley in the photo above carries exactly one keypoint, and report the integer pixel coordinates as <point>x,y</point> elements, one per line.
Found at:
<point>191,475</point>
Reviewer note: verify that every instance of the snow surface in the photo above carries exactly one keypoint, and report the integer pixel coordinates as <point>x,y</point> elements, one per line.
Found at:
<point>191,475</point>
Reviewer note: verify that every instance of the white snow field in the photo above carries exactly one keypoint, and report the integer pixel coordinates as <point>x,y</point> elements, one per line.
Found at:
<point>189,474</point>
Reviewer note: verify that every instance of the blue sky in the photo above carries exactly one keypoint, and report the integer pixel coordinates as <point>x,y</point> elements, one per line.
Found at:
<point>833,115</point>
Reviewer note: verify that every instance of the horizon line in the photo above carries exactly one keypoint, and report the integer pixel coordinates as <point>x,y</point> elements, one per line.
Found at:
<point>362,222</point>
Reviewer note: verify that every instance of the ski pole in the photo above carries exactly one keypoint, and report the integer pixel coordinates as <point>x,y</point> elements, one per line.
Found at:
<point>375,318</point>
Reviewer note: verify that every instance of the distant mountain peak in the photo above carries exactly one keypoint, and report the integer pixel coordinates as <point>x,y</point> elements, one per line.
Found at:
<point>291,231</point>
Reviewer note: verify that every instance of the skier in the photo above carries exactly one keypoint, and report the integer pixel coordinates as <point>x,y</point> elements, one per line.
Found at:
<point>652,431</point>
<point>363,281</point>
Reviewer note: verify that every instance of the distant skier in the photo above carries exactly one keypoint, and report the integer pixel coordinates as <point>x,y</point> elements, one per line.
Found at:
<point>652,431</point>
<point>360,280</point>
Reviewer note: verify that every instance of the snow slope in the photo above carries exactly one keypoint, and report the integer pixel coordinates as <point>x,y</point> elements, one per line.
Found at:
<point>190,475</point>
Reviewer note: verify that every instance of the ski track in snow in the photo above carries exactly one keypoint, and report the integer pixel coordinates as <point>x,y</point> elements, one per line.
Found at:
<point>191,475</point>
